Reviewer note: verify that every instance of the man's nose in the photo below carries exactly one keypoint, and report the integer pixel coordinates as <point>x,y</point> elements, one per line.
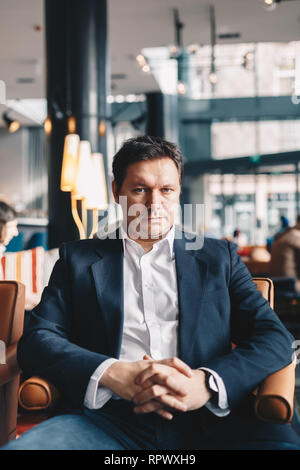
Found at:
<point>154,199</point>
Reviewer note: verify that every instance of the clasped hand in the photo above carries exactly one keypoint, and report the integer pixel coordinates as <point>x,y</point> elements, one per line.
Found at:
<point>170,384</point>
<point>157,386</point>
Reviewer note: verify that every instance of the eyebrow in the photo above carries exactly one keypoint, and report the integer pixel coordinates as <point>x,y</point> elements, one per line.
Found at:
<point>140,183</point>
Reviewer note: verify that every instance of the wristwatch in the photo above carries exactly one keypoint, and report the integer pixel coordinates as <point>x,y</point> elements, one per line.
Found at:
<point>212,387</point>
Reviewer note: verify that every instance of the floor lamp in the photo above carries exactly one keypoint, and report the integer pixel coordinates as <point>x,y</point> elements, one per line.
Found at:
<point>83,175</point>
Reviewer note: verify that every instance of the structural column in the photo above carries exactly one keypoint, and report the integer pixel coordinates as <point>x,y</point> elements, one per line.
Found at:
<point>77,88</point>
<point>162,116</point>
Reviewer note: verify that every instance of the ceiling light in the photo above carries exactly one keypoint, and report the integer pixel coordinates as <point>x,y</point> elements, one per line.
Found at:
<point>248,60</point>
<point>119,99</point>
<point>192,48</point>
<point>12,124</point>
<point>140,98</point>
<point>174,51</point>
<point>141,59</point>
<point>71,125</point>
<point>213,78</point>
<point>146,68</point>
<point>131,98</point>
<point>181,88</point>
<point>102,128</point>
<point>47,126</point>
<point>269,5</point>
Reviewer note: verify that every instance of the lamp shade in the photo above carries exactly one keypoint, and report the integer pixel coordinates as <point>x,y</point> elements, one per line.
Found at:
<point>97,195</point>
<point>81,188</point>
<point>69,165</point>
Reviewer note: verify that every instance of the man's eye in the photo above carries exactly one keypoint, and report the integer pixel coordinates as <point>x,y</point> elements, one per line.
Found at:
<point>167,190</point>
<point>139,190</point>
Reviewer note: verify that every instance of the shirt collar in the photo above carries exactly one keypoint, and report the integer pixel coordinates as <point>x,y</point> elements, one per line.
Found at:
<point>169,239</point>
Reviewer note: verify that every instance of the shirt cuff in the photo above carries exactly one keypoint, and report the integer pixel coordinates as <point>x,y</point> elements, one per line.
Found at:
<point>221,407</point>
<point>96,396</point>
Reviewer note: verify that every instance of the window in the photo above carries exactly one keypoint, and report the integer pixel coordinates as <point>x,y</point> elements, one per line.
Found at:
<point>239,139</point>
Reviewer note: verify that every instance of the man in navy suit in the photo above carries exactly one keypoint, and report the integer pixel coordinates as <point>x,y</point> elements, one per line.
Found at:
<point>135,329</point>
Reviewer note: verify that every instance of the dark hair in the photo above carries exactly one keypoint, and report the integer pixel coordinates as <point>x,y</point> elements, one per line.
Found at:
<point>144,148</point>
<point>7,214</point>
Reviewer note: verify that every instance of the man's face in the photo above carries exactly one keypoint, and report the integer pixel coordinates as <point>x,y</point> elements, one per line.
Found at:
<point>10,230</point>
<point>152,190</point>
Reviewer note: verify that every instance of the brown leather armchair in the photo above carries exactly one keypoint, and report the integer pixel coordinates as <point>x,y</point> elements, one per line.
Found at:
<point>12,305</point>
<point>274,397</point>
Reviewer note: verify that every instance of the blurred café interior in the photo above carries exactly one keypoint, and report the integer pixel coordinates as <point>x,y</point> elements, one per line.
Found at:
<point>219,77</point>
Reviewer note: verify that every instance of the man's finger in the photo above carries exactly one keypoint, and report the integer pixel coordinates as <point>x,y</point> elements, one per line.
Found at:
<point>148,407</point>
<point>147,373</point>
<point>172,402</point>
<point>153,369</point>
<point>147,383</point>
<point>157,408</point>
<point>161,378</point>
<point>173,362</point>
<point>166,399</point>
<point>164,413</point>
<point>149,393</point>
<point>153,405</point>
<point>177,364</point>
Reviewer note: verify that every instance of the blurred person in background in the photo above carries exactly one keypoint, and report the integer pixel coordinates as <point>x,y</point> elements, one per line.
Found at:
<point>284,225</point>
<point>239,238</point>
<point>285,254</point>
<point>8,225</point>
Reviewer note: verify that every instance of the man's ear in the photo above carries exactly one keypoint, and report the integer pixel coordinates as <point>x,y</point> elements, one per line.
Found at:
<point>115,191</point>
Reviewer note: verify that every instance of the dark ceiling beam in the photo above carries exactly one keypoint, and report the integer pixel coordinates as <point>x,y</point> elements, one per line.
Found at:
<point>242,165</point>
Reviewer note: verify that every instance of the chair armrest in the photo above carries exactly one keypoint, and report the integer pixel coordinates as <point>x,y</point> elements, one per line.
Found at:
<point>11,369</point>
<point>275,396</point>
<point>37,394</point>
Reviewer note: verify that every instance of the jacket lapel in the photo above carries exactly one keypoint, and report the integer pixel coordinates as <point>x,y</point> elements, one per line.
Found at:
<point>191,268</point>
<point>108,278</point>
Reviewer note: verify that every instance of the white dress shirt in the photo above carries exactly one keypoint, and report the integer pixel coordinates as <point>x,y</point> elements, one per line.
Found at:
<point>150,316</point>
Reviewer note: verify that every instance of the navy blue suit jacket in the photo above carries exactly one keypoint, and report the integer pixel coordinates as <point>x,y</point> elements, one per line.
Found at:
<point>78,323</point>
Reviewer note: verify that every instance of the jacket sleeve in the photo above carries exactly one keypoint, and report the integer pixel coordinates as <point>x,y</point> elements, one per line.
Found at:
<point>46,348</point>
<point>264,345</point>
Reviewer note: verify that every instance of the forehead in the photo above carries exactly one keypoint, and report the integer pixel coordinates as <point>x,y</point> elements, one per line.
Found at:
<point>158,169</point>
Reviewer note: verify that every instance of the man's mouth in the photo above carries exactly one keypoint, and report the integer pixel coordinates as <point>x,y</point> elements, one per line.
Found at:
<point>155,219</point>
